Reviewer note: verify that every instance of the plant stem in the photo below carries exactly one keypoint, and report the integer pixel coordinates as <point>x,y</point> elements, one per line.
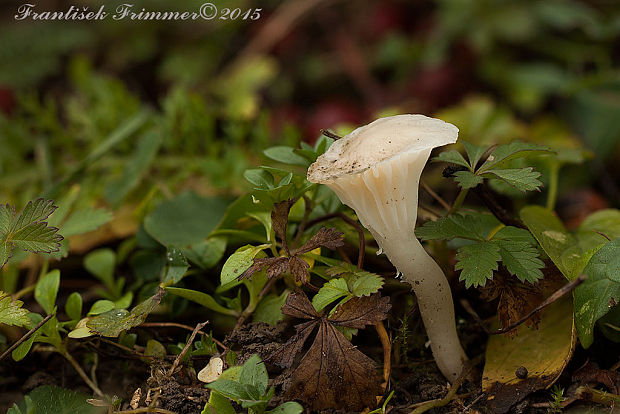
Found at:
<point>27,335</point>
<point>460,198</point>
<point>178,359</point>
<point>554,172</point>
<point>80,371</point>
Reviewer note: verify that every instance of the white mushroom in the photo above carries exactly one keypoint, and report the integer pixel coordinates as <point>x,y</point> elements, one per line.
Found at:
<point>376,171</point>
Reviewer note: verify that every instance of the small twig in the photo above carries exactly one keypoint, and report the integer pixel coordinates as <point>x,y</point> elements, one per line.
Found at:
<point>145,410</point>
<point>351,222</point>
<point>179,325</point>
<point>81,372</point>
<point>387,351</point>
<point>304,220</point>
<point>330,134</point>
<point>185,348</point>
<point>602,234</point>
<point>498,211</point>
<point>26,336</point>
<point>552,298</point>
<point>436,196</point>
<point>93,369</point>
<point>471,404</point>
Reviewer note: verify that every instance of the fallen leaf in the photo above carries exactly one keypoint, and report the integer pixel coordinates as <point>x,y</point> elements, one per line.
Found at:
<point>326,237</point>
<point>212,371</point>
<point>333,373</point>
<point>544,352</point>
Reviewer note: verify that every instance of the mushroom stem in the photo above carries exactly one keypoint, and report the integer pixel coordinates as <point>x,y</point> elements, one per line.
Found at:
<point>434,299</point>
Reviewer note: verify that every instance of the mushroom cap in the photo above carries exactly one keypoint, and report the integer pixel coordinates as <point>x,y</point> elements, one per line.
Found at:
<point>378,142</point>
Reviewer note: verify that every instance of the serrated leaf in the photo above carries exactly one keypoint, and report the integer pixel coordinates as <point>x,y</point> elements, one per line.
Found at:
<point>34,212</point>
<point>599,292</point>
<point>46,290</point>
<point>37,238</point>
<point>473,226</point>
<point>467,179</point>
<point>474,153</point>
<point>364,283</point>
<point>453,157</point>
<point>6,252</point>
<point>53,399</point>
<point>524,179</point>
<point>330,292</point>
<point>85,220</point>
<point>521,260</point>
<point>477,262</point>
<point>11,312</point>
<point>115,321</point>
<point>506,152</point>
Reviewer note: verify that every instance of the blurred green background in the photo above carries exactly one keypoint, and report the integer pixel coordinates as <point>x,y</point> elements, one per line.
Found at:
<point>132,110</point>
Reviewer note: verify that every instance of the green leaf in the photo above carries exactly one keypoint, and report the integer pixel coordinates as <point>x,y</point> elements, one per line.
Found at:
<point>53,399</point>
<point>474,153</point>
<point>185,220</point>
<point>28,230</point>
<point>73,307</point>
<point>218,404</point>
<point>286,155</point>
<point>467,179</point>
<point>561,246</point>
<point>11,312</point>
<point>524,179</point>
<point>506,152</point>
<point>208,253</point>
<point>86,220</point>
<point>597,226</point>
<point>176,265</point>
<point>230,389</point>
<point>260,178</point>
<point>290,407</point>
<point>113,322</point>
<point>46,290</point>
<point>142,158</point>
<point>477,262</point>
<point>100,263</point>
<point>453,157</point>
<point>101,306</point>
<point>254,373</point>
<point>155,349</point>
<point>600,291</point>
<point>473,226</point>
<point>330,292</point>
<point>239,262</point>
<point>269,309</point>
<point>521,260</point>
<point>201,298</point>
<point>364,283</point>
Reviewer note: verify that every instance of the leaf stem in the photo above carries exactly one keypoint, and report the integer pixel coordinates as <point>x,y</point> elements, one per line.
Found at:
<point>554,172</point>
<point>460,198</point>
<point>27,335</point>
<point>80,371</point>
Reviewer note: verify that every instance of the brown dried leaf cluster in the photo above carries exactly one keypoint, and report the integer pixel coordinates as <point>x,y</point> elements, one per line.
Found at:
<point>333,373</point>
<point>292,263</point>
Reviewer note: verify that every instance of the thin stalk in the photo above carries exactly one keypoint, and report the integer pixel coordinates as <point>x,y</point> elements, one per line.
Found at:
<point>554,173</point>
<point>80,371</point>
<point>460,198</point>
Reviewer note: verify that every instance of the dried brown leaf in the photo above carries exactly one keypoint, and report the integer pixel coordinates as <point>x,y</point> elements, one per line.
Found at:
<point>279,219</point>
<point>361,311</point>
<point>333,373</point>
<point>277,266</point>
<point>325,237</point>
<point>299,268</point>
<point>258,265</point>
